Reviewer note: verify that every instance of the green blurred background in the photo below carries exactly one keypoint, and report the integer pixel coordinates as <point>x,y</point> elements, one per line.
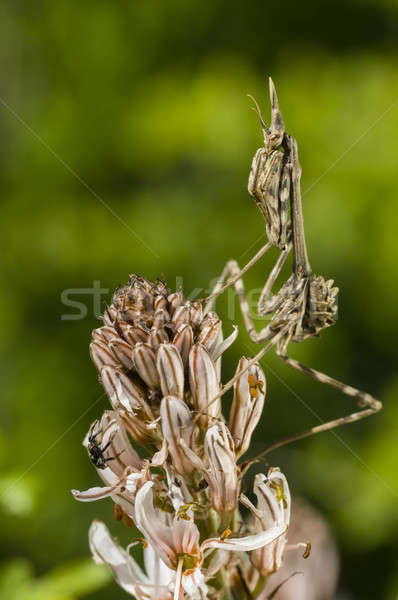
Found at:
<point>142,106</point>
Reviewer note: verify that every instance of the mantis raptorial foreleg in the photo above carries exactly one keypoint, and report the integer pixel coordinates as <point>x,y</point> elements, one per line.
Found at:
<point>232,268</point>
<point>220,287</point>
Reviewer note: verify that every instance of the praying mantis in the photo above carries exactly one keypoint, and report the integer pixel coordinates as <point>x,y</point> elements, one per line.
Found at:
<point>305,304</point>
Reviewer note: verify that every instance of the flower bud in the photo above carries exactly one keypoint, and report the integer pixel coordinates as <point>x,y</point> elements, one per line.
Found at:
<point>247,405</point>
<point>157,336</point>
<point>210,335</point>
<point>128,399</point>
<point>109,316</point>
<point>160,302</point>
<point>181,316</point>
<point>132,334</point>
<point>175,300</point>
<point>183,340</point>
<point>171,370</point>
<point>103,334</point>
<point>204,384</point>
<point>122,351</point>
<point>196,313</point>
<point>101,355</point>
<point>176,425</point>
<point>161,317</point>
<point>145,364</point>
<point>222,473</point>
<point>125,393</point>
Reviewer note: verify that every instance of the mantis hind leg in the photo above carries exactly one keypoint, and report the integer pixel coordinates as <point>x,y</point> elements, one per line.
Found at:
<point>364,399</point>
<point>368,403</point>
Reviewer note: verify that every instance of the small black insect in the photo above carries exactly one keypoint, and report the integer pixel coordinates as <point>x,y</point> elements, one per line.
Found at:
<point>95,451</point>
<point>203,484</point>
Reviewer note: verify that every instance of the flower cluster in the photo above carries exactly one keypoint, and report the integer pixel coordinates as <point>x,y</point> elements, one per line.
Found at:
<point>169,459</point>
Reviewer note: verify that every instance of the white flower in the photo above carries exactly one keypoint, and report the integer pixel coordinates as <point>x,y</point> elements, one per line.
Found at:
<point>128,574</point>
<point>273,511</point>
<point>176,540</point>
<point>124,470</point>
<point>171,540</point>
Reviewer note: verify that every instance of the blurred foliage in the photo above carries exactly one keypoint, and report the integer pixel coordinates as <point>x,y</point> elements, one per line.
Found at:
<point>69,582</point>
<point>126,141</point>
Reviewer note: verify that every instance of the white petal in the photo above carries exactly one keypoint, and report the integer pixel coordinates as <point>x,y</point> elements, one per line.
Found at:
<point>178,494</point>
<point>158,572</point>
<point>95,493</point>
<point>192,456</point>
<point>160,457</point>
<point>133,479</point>
<point>273,511</point>
<point>194,585</point>
<point>247,543</point>
<point>218,560</point>
<point>106,550</point>
<point>158,534</point>
<point>279,478</point>
<point>223,346</point>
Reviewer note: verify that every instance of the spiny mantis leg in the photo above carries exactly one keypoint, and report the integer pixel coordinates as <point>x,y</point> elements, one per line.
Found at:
<point>265,334</point>
<point>273,276</point>
<point>274,336</point>
<point>301,268</point>
<point>220,288</point>
<point>234,270</point>
<point>365,400</point>
<point>312,431</point>
<point>301,265</point>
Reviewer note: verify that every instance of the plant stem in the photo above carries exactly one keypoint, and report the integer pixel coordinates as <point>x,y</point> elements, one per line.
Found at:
<point>261,583</point>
